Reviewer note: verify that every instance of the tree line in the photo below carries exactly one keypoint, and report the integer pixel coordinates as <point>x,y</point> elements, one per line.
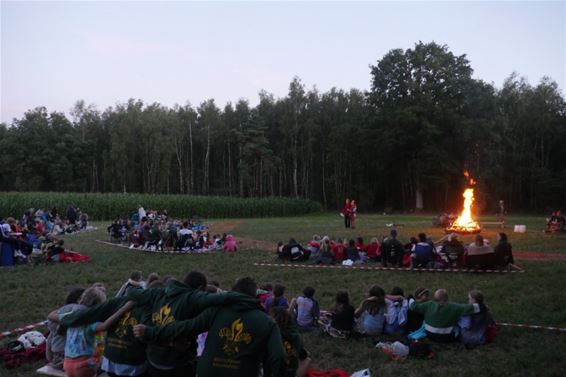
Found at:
<point>402,145</point>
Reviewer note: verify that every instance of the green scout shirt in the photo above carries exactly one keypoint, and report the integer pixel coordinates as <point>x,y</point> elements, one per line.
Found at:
<point>240,337</point>
<point>177,302</point>
<point>440,319</point>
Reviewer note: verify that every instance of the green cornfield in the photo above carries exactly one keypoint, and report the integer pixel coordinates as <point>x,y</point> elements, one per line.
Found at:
<point>110,206</point>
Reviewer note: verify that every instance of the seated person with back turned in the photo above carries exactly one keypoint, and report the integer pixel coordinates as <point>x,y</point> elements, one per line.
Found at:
<point>480,255</point>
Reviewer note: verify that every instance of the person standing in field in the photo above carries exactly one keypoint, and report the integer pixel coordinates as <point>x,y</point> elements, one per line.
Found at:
<point>501,214</point>
<point>346,212</point>
<point>353,213</point>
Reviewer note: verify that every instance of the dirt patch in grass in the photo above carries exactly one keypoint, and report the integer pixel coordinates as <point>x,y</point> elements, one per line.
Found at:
<point>229,226</point>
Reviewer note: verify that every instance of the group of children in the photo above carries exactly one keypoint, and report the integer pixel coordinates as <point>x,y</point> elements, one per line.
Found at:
<point>153,327</point>
<point>160,233</point>
<point>23,243</point>
<point>419,252</point>
<point>416,316</point>
<point>90,333</point>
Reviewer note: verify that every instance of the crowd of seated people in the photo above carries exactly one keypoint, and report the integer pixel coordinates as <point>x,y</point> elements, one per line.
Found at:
<point>33,238</point>
<point>411,318</point>
<point>158,232</point>
<point>168,327</point>
<point>201,322</point>
<point>419,252</point>
<point>556,223</point>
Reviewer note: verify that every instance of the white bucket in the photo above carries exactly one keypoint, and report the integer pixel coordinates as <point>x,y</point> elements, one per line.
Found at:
<point>520,229</point>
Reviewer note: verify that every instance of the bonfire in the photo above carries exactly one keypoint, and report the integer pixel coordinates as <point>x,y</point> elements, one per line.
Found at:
<point>465,223</point>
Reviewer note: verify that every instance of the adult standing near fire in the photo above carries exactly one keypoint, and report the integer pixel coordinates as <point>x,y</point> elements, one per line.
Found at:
<point>501,214</point>
<point>346,212</point>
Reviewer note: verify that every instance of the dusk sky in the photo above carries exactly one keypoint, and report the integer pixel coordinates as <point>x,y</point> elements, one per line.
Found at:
<point>53,54</point>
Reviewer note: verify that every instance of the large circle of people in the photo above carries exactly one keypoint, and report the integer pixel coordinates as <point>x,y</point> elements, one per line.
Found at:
<point>156,231</point>
<point>419,252</point>
<point>33,237</point>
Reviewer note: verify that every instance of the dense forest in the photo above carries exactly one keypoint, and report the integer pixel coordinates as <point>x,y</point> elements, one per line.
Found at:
<point>403,145</point>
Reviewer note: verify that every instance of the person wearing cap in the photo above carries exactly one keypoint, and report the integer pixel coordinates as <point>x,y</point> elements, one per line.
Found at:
<point>415,319</point>
<point>392,251</point>
<point>441,316</point>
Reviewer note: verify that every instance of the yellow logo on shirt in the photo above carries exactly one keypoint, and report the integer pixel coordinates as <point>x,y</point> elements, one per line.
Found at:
<point>234,335</point>
<point>289,350</point>
<point>127,320</point>
<point>163,317</point>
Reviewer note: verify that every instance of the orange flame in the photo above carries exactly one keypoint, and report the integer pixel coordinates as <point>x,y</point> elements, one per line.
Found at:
<point>465,222</point>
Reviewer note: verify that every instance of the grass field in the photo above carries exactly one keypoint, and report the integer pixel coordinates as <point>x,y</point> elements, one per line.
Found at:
<point>535,297</point>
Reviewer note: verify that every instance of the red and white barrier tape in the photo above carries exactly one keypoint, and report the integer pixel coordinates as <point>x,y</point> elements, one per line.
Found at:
<point>22,329</point>
<point>377,268</point>
<point>534,327</point>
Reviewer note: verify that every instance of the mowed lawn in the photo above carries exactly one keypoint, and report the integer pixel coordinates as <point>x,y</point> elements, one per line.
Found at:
<point>537,296</point>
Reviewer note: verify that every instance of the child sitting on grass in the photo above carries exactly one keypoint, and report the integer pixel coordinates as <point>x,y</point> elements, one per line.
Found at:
<point>473,327</point>
<point>277,300</point>
<point>298,361</point>
<point>371,312</point>
<point>339,321</point>
<point>396,309</point>
<point>305,310</point>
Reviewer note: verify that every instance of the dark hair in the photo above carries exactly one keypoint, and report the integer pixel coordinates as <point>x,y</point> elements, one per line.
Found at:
<point>136,275</point>
<point>195,280</point>
<point>282,317</point>
<point>267,287</point>
<point>422,237</point>
<point>74,296</point>
<point>292,241</point>
<point>414,240</point>
<point>502,237</point>
<point>308,292</point>
<point>477,296</point>
<point>396,291</point>
<point>185,224</point>
<point>342,300</point>
<point>373,306</point>
<point>421,291</point>
<point>360,240</point>
<point>278,292</point>
<point>215,283</point>
<point>246,286</point>
<point>351,243</point>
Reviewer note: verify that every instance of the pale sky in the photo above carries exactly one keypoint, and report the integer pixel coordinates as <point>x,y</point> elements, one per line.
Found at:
<point>55,53</point>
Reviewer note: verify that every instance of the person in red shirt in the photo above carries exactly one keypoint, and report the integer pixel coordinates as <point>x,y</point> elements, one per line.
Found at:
<point>346,212</point>
<point>373,250</point>
<point>338,250</point>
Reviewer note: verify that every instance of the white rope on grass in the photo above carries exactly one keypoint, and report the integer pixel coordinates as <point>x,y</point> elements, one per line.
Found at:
<point>534,327</point>
<point>377,268</point>
<point>22,329</point>
<point>193,252</point>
